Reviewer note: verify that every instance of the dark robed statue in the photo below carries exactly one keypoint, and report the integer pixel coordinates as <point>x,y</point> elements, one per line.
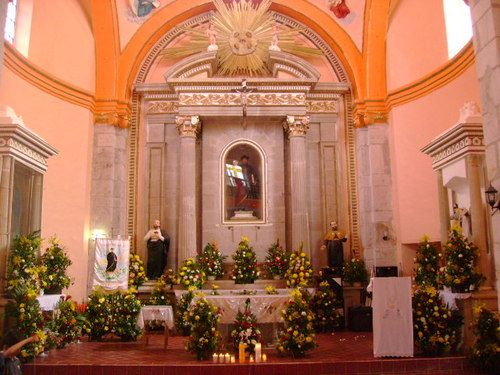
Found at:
<point>158,243</point>
<point>334,244</point>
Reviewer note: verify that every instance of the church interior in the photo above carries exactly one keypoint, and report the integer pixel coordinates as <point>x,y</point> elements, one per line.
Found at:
<point>250,186</point>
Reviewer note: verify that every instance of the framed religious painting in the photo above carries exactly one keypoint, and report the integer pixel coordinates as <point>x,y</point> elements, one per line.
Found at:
<point>243,171</point>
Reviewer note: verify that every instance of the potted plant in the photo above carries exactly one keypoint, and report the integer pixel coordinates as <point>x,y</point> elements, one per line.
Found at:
<point>276,261</point>
<point>300,271</point>
<point>211,261</point>
<point>54,263</point>
<point>245,263</point>
<point>354,272</point>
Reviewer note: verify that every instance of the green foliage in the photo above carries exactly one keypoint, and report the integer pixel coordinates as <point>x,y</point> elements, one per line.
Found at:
<point>245,329</point>
<point>67,323</point>
<point>191,274</point>
<point>277,260</point>
<point>324,305</point>
<point>354,271</point>
<point>22,264</point>
<point>183,326</point>
<point>115,312</point>
<point>300,271</point>
<point>298,336</point>
<point>159,295</point>
<point>486,351</point>
<point>427,264</point>
<point>461,257</point>
<point>245,263</point>
<point>436,327</point>
<point>204,338</point>
<point>136,271</point>
<point>54,263</point>
<point>211,260</point>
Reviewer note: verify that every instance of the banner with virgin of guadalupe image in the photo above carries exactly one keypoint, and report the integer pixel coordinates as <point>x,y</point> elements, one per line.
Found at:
<point>111,263</point>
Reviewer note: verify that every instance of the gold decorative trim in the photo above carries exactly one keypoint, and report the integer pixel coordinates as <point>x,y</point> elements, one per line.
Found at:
<point>230,99</point>
<point>321,106</point>
<point>44,81</point>
<point>162,107</point>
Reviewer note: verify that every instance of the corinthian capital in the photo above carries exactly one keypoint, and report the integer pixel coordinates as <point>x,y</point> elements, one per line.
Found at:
<point>296,126</point>
<point>188,126</point>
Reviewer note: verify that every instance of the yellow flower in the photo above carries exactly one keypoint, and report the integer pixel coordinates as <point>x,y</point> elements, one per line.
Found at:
<point>308,338</point>
<point>295,333</point>
<point>101,300</point>
<point>302,255</point>
<point>197,317</point>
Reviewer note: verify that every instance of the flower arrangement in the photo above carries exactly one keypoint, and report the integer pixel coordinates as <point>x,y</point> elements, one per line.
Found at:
<point>245,329</point>
<point>485,351</point>
<point>191,274</point>
<point>181,323</point>
<point>112,313</point>
<point>298,336</point>
<point>426,264</point>
<point>300,271</point>
<point>159,294</point>
<point>136,272</point>
<point>324,304</point>
<point>54,262</point>
<point>277,260</point>
<point>270,289</point>
<point>211,260</point>
<point>245,263</point>
<point>34,348</point>
<point>436,327</point>
<point>66,323</point>
<point>461,256</point>
<point>22,263</point>
<point>354,271</point>
<point>171,278</point>
<point>204,338</point>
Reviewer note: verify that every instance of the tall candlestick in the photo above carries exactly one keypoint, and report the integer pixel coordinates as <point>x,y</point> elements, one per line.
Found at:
<point>258,352</point>
<point>241,352</point>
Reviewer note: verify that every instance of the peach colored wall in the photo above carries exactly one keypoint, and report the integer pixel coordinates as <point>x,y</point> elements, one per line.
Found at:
<point>62,42</point>
<point>66,193</point>
<point>416,41</point>
<point>413,125</point>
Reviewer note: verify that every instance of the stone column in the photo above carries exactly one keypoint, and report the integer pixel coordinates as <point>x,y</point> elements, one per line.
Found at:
<point>444,210</point>
<point>485,15</point>
<point>6,185</point>
<point>296,128</point>
<point>188,127</point>
<point>3,16</point>
<point>36,203</point>
<point>474,165</point>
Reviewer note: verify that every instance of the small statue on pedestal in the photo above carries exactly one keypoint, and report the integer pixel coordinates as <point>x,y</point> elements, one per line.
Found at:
<point>212,38</point>
<point>158,243</point>
<point>461,218</point>
<point>333,243</point>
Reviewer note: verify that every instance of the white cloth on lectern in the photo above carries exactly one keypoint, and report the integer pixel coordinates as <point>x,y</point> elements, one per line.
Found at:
<point>392,317</point>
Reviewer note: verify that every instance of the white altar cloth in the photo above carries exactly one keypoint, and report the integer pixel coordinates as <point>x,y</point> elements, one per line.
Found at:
<point>392,317</point>
<point>48,302</point>
<point>163,313</point>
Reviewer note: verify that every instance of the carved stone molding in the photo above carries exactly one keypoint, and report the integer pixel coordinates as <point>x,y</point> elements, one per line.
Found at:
<point>162,107</point>
<point>234,99</point>
<point>30,153</point>
<point>113,118</point>
<point>188,126</point>
<point>276,99</point>
<point>296,126</point>
<point>321,106</point>
<point>212,99</point>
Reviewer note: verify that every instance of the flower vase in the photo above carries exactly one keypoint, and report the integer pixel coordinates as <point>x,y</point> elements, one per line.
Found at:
<point>211,278</point>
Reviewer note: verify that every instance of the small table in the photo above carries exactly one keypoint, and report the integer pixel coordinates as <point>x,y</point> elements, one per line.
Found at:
<point>164,313</point>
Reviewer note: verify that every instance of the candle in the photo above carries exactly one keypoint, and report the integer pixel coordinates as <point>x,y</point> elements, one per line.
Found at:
<point>251,359</point>
<point>228,358</point>
<point>215,358</point>
<point>264,357</point>
<point>221,358</point>
<point>258,352</point>
<point>241,352</point>
<point>233,359</point>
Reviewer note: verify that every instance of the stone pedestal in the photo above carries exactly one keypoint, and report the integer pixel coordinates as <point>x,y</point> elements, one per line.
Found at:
<point>188,127</point>
<point>296,128</point>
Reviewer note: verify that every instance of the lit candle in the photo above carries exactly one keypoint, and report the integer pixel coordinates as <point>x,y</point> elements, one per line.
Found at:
<point>264,357</point>
<point>215,358</point>
<point>241,352</point>
<point>221,358</point>
<point>228,358</point>
<point>233,359</point>
<point>258,352</point>
<point>251,359</point>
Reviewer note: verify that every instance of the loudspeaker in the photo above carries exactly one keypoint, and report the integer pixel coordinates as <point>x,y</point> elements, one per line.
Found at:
<point>391,271</point>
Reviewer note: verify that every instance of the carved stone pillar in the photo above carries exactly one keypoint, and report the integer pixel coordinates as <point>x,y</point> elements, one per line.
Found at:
<point>296,128</point>
<point>188,127</point>
<point>444,212</point>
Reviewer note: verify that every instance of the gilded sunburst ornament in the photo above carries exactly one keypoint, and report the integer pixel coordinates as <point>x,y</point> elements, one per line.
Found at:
<point>242,33</point>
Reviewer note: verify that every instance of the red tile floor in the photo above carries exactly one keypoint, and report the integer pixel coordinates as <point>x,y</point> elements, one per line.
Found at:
<point>340,353</point>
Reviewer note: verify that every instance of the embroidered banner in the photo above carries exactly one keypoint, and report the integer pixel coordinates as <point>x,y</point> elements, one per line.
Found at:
<point>111,263</point>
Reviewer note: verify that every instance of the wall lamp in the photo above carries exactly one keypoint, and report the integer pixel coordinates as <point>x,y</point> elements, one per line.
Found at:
<point>492,199</point>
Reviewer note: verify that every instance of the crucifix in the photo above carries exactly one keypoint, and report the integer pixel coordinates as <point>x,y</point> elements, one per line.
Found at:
<point>243,91</point>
